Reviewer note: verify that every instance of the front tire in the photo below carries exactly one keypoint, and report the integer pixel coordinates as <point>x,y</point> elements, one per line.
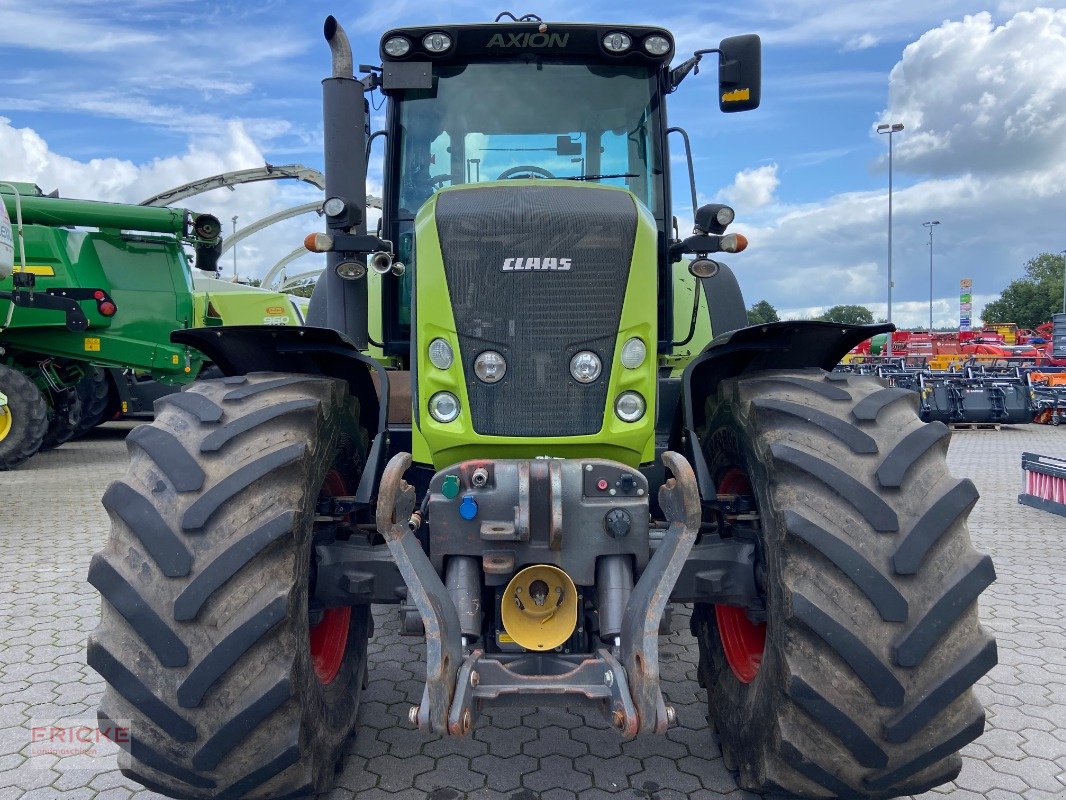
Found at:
<point>205,641</point>
<point>862,688</point>
<point>23,420</point>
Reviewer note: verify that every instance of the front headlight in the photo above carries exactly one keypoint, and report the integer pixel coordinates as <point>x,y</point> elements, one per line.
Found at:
<point>629,406</point>
<point>444,407</point>
<point>490,366</point>
<point>585,366</point>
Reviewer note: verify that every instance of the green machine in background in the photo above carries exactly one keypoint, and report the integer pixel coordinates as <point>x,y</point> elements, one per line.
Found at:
<point>93,285</point>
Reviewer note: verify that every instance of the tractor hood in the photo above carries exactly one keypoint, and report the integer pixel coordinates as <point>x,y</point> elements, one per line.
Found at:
<point>537,271</point>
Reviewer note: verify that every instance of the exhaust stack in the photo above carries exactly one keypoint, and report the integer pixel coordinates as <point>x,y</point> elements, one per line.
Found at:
<point>337,303</point>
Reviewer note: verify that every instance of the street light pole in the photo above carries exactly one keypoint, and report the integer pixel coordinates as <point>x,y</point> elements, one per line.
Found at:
<point>1064,281</point>
<point>235,251</point>
<point>930,226</point>
<point>890,128</point>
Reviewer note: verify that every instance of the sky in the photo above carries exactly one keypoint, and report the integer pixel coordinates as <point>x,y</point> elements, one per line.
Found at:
<point>117,101</point>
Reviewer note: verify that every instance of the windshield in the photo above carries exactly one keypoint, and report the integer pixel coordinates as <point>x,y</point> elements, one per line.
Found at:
<point>499,121</point>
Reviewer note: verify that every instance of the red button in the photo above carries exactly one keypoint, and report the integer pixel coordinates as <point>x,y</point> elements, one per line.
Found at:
<point>107,309</point>
<point>99,295</point>
<point>601,484</point>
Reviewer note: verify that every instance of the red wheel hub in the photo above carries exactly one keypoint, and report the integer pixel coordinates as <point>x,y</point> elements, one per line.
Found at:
<point>742,640</point>
<point>329,638</point>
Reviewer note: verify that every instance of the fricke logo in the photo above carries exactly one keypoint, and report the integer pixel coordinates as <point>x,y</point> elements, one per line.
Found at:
<point>536,264</point>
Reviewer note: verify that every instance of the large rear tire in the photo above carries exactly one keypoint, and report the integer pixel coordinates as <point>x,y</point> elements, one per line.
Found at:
<point>23,420</point>
<point>205,640</point>
<point>859,685</point>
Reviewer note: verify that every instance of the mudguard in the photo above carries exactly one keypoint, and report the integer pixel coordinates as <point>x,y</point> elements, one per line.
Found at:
<point>777,345</point>
<point>725,302</point>
<point>240,349</point>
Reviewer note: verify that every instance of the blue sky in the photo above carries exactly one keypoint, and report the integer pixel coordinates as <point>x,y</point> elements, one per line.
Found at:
<point>120,100</point>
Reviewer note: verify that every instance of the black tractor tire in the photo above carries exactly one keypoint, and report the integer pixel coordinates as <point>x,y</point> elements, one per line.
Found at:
<point>203,641</point>
<point>94,391</point>
<point>64,418</point>
<point>26,419</point>
<point>872,639</point>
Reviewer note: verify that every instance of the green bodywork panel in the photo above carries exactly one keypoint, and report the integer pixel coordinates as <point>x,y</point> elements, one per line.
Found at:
<point>687,292</point>
<point>147,277</point>
<point>443,444</point>
<point>217,302</point>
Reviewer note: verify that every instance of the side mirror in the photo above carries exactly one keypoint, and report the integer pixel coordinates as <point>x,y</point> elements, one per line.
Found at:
<point>740,73</point>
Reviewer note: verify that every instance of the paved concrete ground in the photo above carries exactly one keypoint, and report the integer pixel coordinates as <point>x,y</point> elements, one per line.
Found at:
<point>51,522</point>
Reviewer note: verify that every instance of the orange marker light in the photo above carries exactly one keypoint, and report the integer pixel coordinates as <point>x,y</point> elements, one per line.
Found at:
<point>733,243</point>
<point>318,242</point>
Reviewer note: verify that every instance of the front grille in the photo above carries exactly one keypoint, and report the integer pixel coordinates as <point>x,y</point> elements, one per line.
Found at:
<point>537,319</point>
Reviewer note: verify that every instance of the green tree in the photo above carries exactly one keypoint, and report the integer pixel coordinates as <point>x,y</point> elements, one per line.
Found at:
<point>848,315</point>
<point>1030,301</point>
<point>761,313</point>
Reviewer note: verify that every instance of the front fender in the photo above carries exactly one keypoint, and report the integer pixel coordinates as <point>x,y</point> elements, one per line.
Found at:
<point>776,345</point>
<point>240,349</point>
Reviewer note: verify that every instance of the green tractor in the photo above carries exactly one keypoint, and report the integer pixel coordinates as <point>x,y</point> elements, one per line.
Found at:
<point>559,457</point>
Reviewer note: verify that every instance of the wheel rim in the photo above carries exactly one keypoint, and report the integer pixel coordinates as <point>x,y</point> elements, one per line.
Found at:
<point>329,637</point>
<point>6,421</point>
<point>743,641</point>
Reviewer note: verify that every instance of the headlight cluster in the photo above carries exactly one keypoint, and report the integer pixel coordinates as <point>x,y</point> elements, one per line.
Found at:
<point>619,42</point>
<point>437,42</point>
<point>585,368</point>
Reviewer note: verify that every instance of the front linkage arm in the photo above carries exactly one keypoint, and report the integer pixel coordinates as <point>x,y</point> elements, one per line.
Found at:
<point>444,650</point>
<point>679,499</point>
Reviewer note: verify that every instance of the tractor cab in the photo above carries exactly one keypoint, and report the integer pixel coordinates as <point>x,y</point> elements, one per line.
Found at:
<point>531,101</point>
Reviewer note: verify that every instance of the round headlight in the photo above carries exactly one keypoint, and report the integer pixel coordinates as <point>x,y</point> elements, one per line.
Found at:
<point>585,366</point>
<point>633,352</point>
<point>490,366</point>
<point>444,406</point>
<point>333,207</point>
<point>437,42</point>
<point>657,45</point>
<point>397,46</point>
<point>617,42</point>
<point>440,354</point>
<point>629,406</point>
<point>725,215</point>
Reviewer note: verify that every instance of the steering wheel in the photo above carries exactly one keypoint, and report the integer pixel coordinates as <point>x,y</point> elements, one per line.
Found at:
<point>524,170</point>
<point>439,180</point>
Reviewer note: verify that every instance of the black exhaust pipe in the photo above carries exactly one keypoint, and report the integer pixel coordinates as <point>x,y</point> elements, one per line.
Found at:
<point>337,303</point>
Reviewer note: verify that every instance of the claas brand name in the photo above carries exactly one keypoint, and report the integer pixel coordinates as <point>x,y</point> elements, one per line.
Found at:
<point>535,264</point>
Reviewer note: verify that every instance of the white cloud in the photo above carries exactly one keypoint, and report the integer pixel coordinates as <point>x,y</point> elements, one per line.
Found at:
<point>984,109</point>
<point>48,29</point>
<point>977,97</point>
<point>862,42</point>
<point>26,156</point>
<point>752,189</point>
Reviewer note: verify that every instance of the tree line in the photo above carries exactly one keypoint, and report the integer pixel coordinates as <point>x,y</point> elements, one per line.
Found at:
<point>1029,301</point>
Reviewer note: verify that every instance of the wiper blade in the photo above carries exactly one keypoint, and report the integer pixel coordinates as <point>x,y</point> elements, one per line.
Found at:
<point>598,177</point>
